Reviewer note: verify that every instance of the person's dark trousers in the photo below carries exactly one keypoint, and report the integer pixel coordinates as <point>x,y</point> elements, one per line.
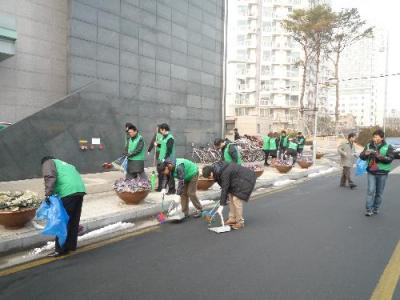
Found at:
<point>282,153</point>
<point>346,173</point>
<point>73,206</point>
<point>171,184</point>
<point>266,152</point>
<point>300,151</point>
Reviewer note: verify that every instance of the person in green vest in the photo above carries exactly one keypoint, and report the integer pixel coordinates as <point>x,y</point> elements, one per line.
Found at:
<point>292,149</point>
<point>167,152</point>
<point>266,147</point>
<point>273,147</point>
<point>229,151</point>
<point>127,124</point>
<point>187,174</point>
<point>301,141</point>
<point>135,154</point>
<point>283,144</point>
<point>62,179</point>
<point>379,156</point>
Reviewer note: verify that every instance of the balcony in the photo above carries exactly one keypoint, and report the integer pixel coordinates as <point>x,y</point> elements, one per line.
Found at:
<point>246,88</point>
<point>251,44</point>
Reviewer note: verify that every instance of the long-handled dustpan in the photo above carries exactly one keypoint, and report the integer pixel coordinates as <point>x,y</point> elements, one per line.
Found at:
<point>219,229</point>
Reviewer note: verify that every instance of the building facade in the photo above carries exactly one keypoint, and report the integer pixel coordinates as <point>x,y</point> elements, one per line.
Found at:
<point>362,91</point>
<point>263,80</point>
<point>82,68</point>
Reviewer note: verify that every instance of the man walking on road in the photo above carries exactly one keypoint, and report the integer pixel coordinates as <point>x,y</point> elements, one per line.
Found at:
<point>62,179</point>
<point>229,151</point>
<point>237,184</point>
<point>379,156</point>
<point>347,154</point>
<point>187,174</point>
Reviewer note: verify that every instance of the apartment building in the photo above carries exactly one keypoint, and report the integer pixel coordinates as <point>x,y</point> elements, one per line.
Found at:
<point>263,79</point>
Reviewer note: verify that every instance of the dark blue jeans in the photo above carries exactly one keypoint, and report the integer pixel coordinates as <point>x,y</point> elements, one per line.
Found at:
<point>376,186</point>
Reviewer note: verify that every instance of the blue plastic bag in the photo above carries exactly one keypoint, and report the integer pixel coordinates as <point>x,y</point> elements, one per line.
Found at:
<point>361,167</point>
<point>53,211</point>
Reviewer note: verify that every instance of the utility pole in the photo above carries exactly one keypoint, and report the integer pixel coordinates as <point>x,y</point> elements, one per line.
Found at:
<point>386,83</point>
<point>315,125</point>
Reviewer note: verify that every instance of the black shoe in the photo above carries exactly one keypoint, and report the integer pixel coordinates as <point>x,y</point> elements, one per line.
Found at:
<point>375,211</point>
<point>342,185</point>
<point>353,186</point>
<point>57,254</point>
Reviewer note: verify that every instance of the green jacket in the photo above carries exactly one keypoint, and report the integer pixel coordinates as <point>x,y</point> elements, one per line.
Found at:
<point>132,148</point>
<point>272,144</point>
<point>68,181</point>
<point>163,149</point>
<point>266,145</point>
<point>293,146</point>
<point>378,166</point>
<point>283,141</point>
<point>190,169</point>
<point>228,157</point>
<point>301,141</point>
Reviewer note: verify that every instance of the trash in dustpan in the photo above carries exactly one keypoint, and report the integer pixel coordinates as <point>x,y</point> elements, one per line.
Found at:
<point>216,221</point>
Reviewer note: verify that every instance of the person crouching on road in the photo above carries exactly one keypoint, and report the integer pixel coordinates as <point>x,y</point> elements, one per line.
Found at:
<point>187,174</point>
<point>237,184</point>
<point>347,154</point>
<point>229,151</point>
<point>136,154</point>
<point>62,179</point>
<point>379,156</point>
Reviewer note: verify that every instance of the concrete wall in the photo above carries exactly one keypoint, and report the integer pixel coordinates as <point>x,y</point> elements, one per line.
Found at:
<point>148,61</point>
<point>161,59</point>
<point>37,75</point>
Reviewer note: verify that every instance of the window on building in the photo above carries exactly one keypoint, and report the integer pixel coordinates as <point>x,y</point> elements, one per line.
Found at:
<point>258,128</point>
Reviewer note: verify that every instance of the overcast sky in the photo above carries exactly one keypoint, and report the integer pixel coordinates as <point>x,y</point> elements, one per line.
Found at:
<point>384,14</point>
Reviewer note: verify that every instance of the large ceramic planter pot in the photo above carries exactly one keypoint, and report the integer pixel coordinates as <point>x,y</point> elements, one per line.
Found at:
<point>16,219</point>
<point>319,155</point>
<point>283,168</point>
<point>304,164</point>
<point>259,173</point>
<point>133,198</point>
<point>204,184</point>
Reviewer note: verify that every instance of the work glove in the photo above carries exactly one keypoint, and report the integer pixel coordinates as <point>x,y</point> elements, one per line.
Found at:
<point>163,192</point>
<point>220,209</point>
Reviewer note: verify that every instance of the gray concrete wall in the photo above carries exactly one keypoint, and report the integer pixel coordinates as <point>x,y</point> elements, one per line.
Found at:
<point>162,59</point>
<point>37,75</point>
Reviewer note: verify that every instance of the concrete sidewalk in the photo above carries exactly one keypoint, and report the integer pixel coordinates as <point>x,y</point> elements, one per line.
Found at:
<point>103,207</point>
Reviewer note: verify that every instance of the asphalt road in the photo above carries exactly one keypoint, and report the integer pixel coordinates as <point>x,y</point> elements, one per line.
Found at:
<point>309,242</point>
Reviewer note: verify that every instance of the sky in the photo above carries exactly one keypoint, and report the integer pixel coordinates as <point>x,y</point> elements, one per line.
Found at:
<point>383,14</point>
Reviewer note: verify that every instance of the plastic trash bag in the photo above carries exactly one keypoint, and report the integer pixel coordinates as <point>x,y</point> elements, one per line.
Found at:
<point>53,212</point>
<point>361,167</point>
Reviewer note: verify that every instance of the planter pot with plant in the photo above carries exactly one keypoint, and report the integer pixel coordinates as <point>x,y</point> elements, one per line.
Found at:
<point>132,191</point>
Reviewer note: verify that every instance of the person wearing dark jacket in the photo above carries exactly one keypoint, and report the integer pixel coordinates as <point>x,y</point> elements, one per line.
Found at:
<point>135,154</point>
<point>379,156</point>
<point>229,151</point>
<point>283,144</point>
<point>155,143</point>
<point>301,141</point>
<point>237,184</point>
<point>236,135</point>
<point>62,179</point>
<point>167,152</point>
<point>187,174</point>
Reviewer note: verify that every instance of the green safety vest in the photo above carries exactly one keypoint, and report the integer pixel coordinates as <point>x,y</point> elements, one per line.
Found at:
<point>301,143</point>
<point>272,144</point>
<point>285,141</point>
<point>132,147</point>
<point>68,180</point>
<point>227,156</point>
<point>159,137</point>
<point>191,169</point>
<point>383,151</point>
<point>266,140</point>
<point>293,146</point>
<point>163,148</point>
